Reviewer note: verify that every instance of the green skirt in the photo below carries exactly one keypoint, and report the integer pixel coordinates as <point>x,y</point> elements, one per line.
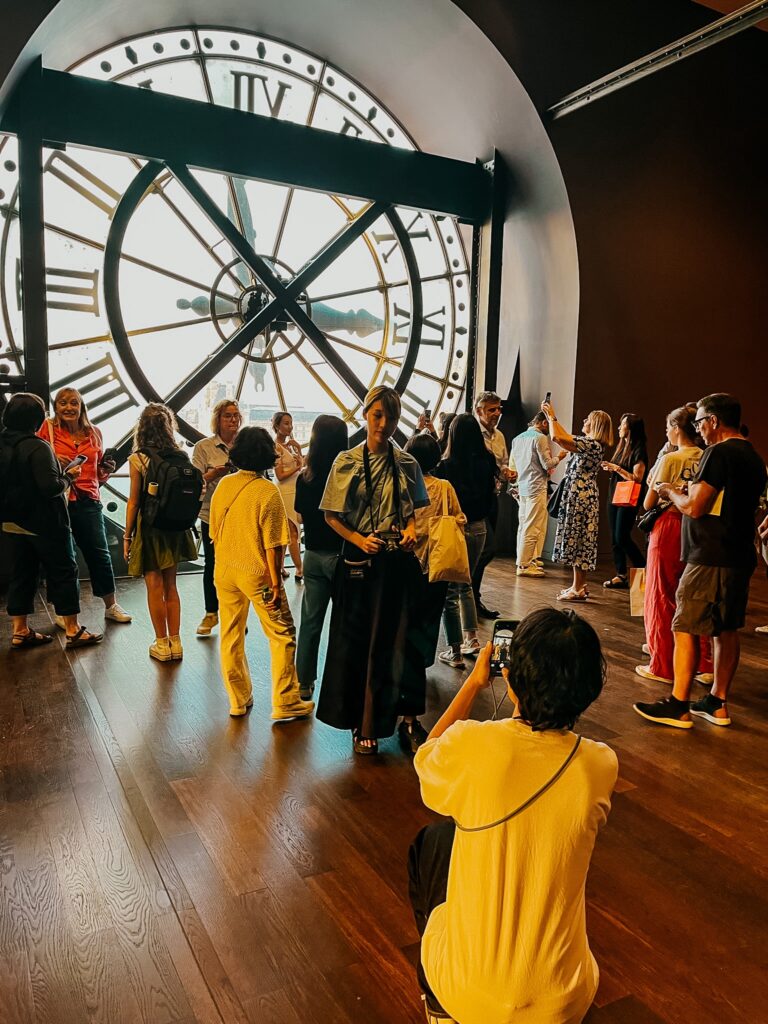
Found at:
<point>154,550</point>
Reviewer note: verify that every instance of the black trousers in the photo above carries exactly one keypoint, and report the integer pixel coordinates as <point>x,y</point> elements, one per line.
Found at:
<point>55,551</point>
<point>621,521</point>
<point>489,548</point>
<point>86,517</point>
<point>209,589</point>
<point>428,861</point>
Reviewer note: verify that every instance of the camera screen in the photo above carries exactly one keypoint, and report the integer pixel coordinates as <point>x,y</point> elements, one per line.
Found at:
<point>502,638</point>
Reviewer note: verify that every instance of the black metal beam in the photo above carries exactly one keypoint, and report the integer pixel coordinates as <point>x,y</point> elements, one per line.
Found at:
<point>488,271</point>
<point>31,232</point>
<point>155,126</point>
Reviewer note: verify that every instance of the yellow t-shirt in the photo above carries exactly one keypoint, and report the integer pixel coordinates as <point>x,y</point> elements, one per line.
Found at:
<point>509,945</point>
<point>247,519</point>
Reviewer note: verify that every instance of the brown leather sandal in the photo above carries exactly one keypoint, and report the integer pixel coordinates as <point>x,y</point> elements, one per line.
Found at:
<point>30,639</point>
<point>84,638</point>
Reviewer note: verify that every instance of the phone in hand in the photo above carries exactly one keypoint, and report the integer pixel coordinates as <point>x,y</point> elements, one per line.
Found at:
<point>77,461</point>
<point>428,415</point>
<point>109,455</point>
<point>503,632</point>
<point>548,398</point>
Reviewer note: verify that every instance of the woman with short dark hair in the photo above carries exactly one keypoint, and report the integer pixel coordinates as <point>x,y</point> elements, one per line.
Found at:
<point>249,530</point>
<point>321,543</point>
<point>498,891</point>
<point>35,521</point>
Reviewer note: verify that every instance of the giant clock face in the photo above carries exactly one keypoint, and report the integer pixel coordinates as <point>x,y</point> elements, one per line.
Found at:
<point>144,290</point>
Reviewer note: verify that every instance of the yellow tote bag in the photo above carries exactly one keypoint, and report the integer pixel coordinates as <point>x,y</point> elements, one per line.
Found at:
<point>448,558</point>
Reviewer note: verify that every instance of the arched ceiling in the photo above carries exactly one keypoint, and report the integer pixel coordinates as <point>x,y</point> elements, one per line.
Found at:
<point>443,78</point>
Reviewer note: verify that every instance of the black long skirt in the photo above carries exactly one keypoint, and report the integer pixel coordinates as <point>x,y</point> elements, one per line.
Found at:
<point>374,670</point>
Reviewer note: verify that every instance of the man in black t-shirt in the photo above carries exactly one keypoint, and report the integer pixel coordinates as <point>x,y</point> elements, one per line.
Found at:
<point>718,547</point>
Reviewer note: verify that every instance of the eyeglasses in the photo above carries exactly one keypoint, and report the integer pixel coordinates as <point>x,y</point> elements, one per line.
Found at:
<point>697,423</point>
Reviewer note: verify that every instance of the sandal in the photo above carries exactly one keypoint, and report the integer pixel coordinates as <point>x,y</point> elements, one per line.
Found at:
<point>299,577</point>
<point>84,638</point>
<point>284,573</point>
<point>29,639</point>
<point>617,583</point>
<point>573,595</point>
<point>363,745</point>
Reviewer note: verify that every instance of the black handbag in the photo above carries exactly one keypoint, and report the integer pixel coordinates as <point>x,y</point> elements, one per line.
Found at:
<point>556,499</point>
<point>647,521</point>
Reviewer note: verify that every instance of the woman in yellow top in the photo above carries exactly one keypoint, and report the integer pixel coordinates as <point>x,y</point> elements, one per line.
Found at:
<point>498,892</point>
<point>249,530</point>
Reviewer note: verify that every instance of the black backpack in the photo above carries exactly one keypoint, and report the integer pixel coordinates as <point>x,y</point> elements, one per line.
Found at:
<point>173,490</point>
<point>14,499</point>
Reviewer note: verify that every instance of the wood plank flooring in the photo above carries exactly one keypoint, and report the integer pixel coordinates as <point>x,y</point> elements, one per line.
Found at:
<point>161,862</point>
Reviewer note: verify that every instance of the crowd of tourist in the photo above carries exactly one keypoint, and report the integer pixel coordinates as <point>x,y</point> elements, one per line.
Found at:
<point>375,519</point>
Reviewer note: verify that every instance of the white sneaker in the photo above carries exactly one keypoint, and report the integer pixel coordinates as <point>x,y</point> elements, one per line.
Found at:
<point>117,614</point>
<point>449,658</point>
<point>472,646</point>
<point>645,672</point>
<point>705,678</point>
<point>177,652</point>
<point>533,571</point>
<point>160,650</point>
<point>761,629</point>
<point>209,622</point>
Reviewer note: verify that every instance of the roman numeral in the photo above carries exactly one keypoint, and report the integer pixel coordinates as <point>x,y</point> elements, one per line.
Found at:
<point>101,386</point>
<point>245,99</point>
<point>347,127</point>
<point>428,322</point>
<point>81,285</point>
<point>413,404</point>
<point>87,184</point>
<point>414,229</point>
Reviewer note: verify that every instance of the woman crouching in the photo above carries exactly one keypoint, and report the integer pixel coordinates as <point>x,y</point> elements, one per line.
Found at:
<point>374,671</point>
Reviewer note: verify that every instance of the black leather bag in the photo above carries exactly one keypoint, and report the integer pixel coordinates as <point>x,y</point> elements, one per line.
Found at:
<point>647,521</point>
<point>556,499</point>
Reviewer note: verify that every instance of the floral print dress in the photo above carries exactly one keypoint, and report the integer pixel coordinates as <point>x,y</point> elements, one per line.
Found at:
<point>577,519</point>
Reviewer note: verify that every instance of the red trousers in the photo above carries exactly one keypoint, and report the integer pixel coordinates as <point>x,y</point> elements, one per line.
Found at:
<point>662,575</point>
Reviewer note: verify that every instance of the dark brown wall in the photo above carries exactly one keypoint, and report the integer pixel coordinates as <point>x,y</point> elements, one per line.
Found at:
<point>666,180</point>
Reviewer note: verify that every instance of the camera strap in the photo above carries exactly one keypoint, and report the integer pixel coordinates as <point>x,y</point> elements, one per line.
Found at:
<point>370,488</point>
<point>530,800</point>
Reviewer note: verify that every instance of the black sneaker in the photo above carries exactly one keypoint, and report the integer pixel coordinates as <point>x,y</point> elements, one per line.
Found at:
<point>411,735</point>
<point>708,707</point>
<point>669,711</point>
<point>485,613</point>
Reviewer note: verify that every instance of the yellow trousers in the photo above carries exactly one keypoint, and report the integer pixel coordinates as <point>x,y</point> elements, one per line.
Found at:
<point>236,591</point>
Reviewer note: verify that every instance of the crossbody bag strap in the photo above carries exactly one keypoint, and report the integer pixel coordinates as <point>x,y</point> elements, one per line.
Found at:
<point>530,800</point>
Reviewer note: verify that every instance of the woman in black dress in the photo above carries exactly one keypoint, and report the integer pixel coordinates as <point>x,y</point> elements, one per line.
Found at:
<point>374,671</point>
<point>629,463</point>
<point>321,543</point>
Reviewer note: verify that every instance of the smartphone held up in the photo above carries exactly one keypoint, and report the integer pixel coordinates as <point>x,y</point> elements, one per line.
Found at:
<point>501,644</point>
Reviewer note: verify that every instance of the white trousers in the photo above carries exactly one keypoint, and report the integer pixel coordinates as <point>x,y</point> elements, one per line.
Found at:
<point>532,528</point>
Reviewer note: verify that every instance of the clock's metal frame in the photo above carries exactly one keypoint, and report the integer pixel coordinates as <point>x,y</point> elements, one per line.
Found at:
<point>55,108</point>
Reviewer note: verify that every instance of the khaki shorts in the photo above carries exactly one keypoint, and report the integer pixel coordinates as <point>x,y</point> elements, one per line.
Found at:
<point>711,600</point>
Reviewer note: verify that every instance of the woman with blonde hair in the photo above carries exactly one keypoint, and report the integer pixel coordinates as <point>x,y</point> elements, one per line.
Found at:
<point>578,514</point>
<point>289,464</point>
<point>211,457</point>
<point>72,435</point>
<point>151,552</point>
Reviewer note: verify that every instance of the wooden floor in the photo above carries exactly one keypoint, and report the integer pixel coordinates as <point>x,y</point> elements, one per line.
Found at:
<point>160,861</point>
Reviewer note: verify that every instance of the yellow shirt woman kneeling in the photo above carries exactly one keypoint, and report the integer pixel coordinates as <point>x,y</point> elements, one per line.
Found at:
<point>249,530</point>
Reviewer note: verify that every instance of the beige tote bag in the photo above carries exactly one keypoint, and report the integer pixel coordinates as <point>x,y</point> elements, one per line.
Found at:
<point>448,558</point>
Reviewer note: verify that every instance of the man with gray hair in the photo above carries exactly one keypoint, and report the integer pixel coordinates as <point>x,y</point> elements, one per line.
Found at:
<point>532,458</point>
<point>488,413</point>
